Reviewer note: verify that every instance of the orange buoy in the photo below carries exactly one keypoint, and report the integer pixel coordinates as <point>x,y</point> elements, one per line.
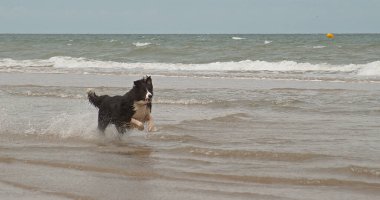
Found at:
<point>330,35</point>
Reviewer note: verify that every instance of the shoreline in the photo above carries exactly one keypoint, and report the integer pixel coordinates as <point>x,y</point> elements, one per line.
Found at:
<point>87,80</point>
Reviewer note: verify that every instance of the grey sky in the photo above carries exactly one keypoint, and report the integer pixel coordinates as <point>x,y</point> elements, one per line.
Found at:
<point>189,16</point>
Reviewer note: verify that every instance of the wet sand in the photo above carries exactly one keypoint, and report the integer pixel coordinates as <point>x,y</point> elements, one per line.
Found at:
<point>51,168</point>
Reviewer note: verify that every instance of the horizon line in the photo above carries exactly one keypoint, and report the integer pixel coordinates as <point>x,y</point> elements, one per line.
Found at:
<point>188,33</point>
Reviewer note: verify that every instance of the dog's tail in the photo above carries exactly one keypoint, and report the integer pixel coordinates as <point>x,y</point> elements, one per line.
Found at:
<point>94,99</point>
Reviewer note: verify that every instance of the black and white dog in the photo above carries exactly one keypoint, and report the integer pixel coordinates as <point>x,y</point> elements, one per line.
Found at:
<point>131,110</point>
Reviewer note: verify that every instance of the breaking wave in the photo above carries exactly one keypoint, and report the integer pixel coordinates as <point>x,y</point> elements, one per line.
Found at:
<point>267,42</point>
<point>319,47</point>
<point>141,44</point>
<point>70,63</point>
<point>238,38</point>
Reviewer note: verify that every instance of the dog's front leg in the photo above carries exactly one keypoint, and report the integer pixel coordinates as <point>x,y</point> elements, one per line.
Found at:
<point>151,127</point>
<point>137,124</point>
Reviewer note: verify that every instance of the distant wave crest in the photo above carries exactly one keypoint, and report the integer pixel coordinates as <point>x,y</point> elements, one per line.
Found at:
<point>141,44</point>
<point>319,47</point>
<point>267,42</point>
<point>238,38</point>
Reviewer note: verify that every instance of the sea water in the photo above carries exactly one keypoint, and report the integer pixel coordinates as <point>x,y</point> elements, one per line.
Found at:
<point>238,117</point>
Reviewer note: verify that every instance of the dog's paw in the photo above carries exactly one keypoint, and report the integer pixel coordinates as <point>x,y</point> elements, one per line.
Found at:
<point>152,129</point>
<point>141,128</point>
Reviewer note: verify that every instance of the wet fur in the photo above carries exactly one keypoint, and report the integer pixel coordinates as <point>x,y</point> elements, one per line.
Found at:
<point>131,110</point>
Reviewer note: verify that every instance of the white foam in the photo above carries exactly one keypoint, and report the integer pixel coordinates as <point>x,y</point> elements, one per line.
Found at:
<point>267,42</point>
<point>370,69</point>
<point>238,38</point>
<point>319,47</point>
<point>7,62</point>
<point>141,44</point>
<point>60,62</point>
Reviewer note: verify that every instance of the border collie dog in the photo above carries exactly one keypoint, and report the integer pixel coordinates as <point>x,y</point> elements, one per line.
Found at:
<point>129,111</point>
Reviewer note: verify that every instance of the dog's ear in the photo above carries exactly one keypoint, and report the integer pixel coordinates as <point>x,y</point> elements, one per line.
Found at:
<point>148,80</point>
<point>137,83</point>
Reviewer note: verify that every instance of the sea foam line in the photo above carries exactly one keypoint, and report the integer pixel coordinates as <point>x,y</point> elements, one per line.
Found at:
<point>63,62</point>
<point>238,38</point>
<point>141,44</point>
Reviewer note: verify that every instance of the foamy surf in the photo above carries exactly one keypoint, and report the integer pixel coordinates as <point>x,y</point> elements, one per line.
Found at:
<point>319,47</point>
<point>141,44</point>
<point>64,62</point>
<point>238,38</point>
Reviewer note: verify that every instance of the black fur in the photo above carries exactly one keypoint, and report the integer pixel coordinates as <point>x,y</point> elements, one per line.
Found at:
<point>118,110</point>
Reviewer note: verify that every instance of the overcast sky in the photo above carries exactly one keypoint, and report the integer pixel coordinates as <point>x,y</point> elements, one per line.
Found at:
<point>189,16</point>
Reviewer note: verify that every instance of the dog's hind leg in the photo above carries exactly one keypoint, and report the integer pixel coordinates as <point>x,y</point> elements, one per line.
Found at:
<point>102,125</point>
<point>103,122</point>
<point>121,129</point>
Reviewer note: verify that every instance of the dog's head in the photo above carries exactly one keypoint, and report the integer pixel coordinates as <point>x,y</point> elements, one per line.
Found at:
<point>144,89</point>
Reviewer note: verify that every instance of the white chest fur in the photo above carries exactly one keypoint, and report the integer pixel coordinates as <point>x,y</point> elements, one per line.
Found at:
<point>141,111</point>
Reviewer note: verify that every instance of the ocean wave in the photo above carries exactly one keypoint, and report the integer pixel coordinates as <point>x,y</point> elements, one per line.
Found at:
<point>370,69</point>
<point>267,42</point>
<point>8,62</point>
<point>65,63</point>
<point>141,44</point>
<point>238,38</point>
<point>319,47</point>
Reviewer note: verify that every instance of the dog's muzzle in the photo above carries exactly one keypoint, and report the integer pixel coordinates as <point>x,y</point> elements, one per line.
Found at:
<point>148,97</point>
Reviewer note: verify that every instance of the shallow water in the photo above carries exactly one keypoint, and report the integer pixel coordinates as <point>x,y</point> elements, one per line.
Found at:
<point>217,139</point>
